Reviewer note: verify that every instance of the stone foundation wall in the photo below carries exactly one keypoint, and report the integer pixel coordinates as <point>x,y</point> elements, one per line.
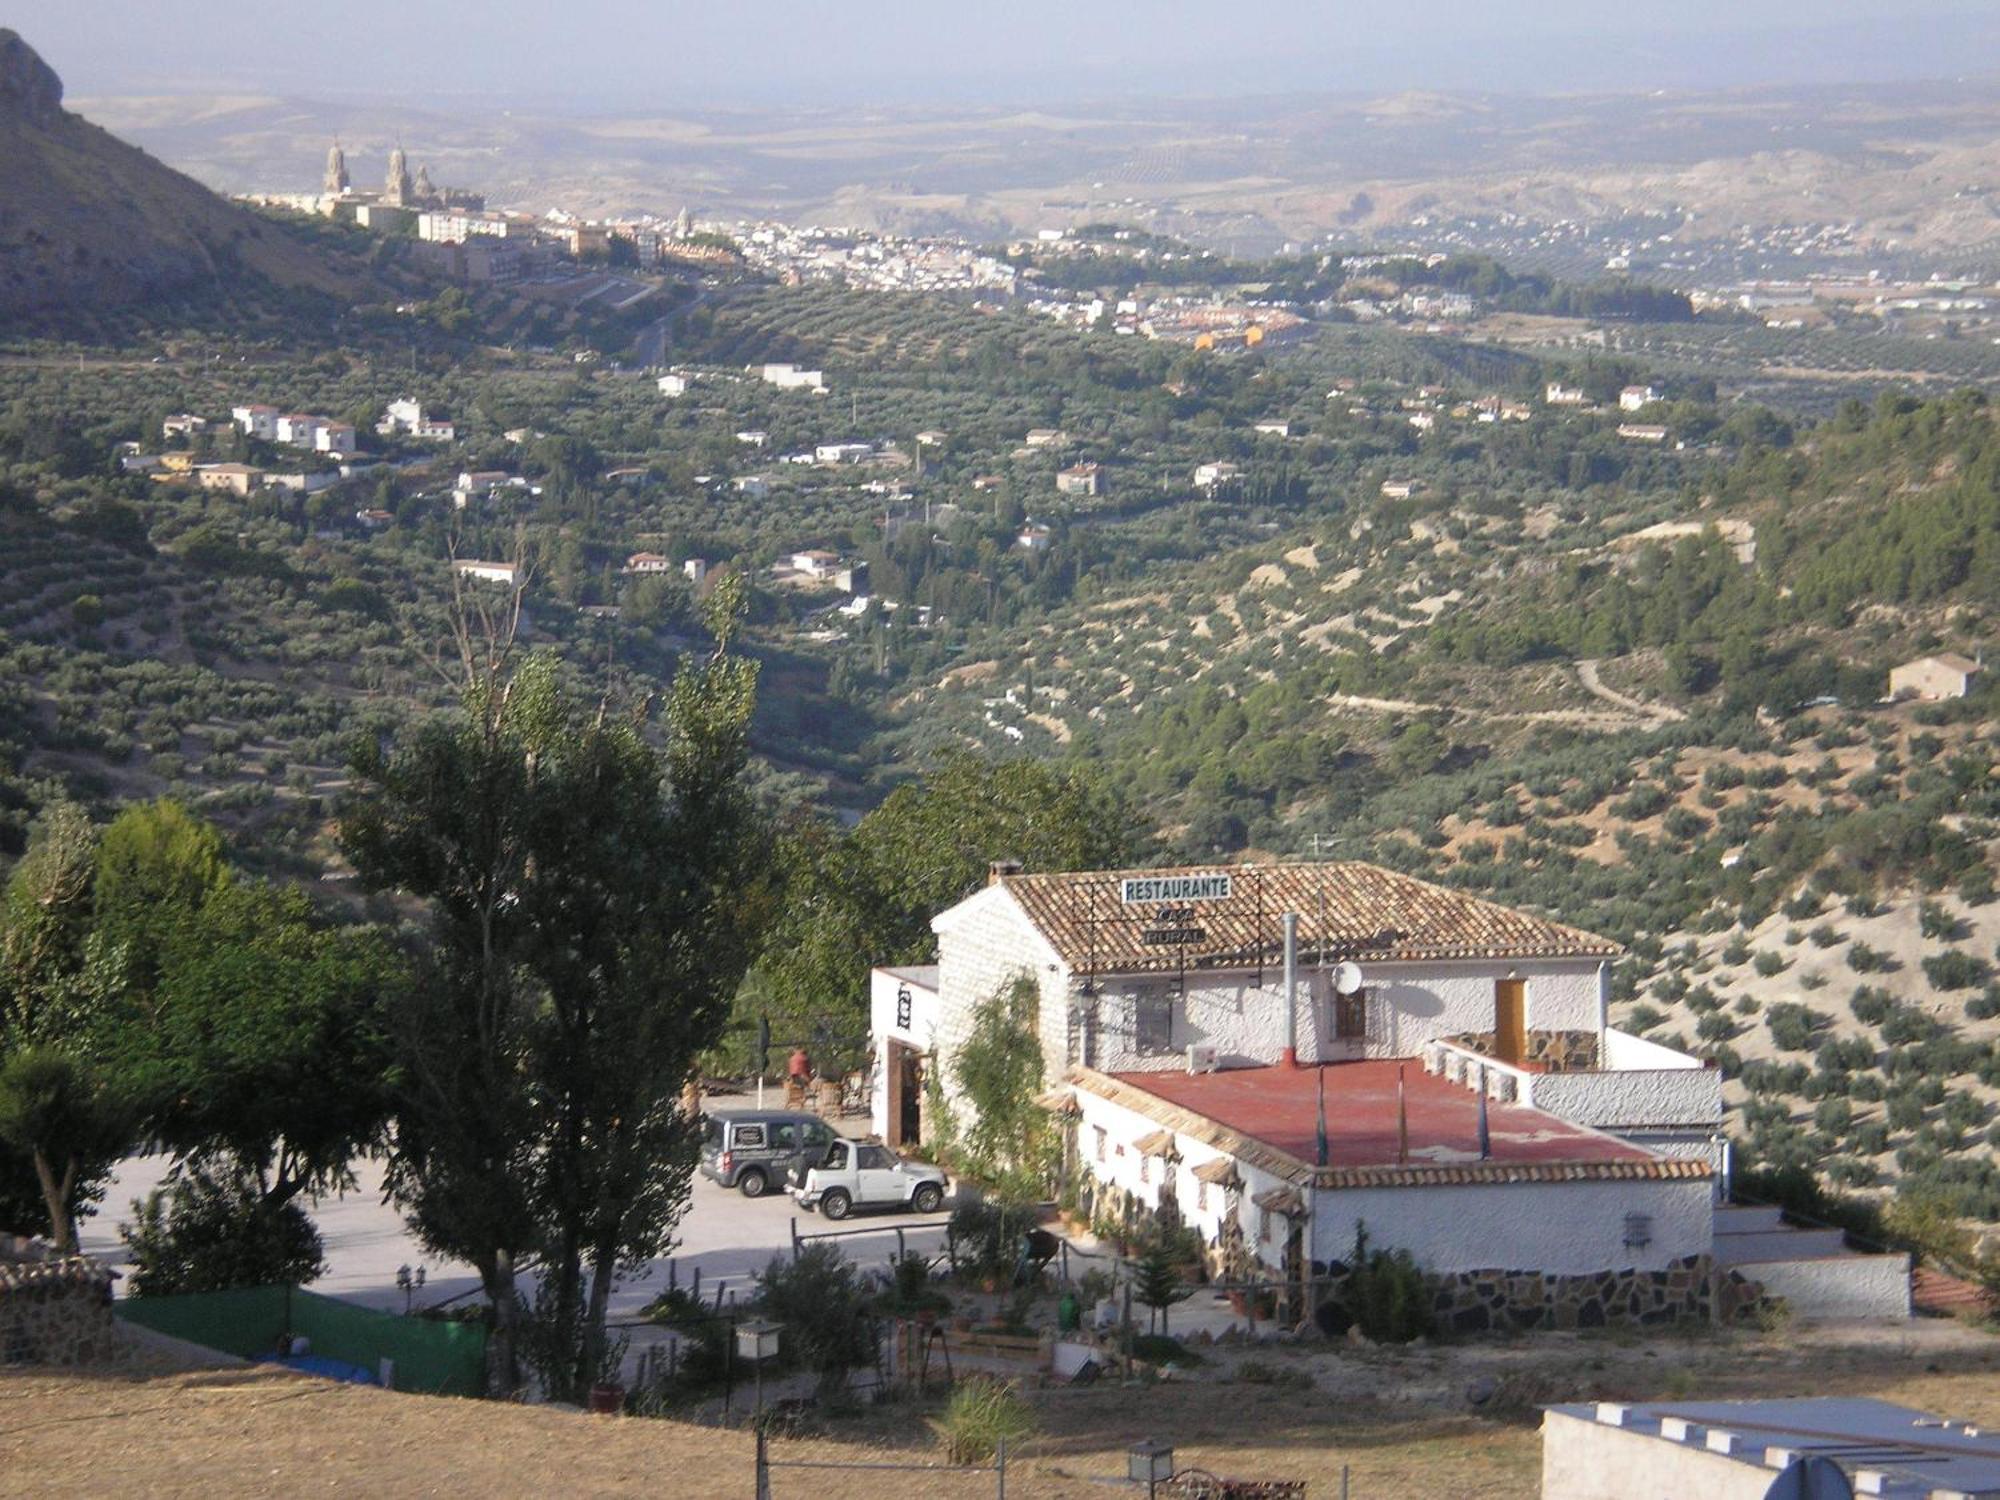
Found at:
<point>54,1309</point>
<point>1500,1301</point>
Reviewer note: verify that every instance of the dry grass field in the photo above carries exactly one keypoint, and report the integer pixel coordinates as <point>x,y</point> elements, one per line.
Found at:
<point>1397,1419</point>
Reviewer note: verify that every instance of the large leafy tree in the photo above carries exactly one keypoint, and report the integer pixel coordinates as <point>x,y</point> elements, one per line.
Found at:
<point>593,906</point>
<point>867,897</point>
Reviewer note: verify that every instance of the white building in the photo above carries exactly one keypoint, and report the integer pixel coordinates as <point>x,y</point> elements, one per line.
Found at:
<point>673,385</point>
<point>258,421</point>
<point>489,572</point>
<point>1272,427</point>
<point>792,378</point>
<point>648,562</point>
<point>1752,1450</point>
<point>336,438</point>
<point>695,569</point>
<point>756,486</point>
<point>186,424</point>
<point>842,453</point>
<point>1946,675</point>
<point>1558,394</point>
<point>407,416</point>
<point>1214,476</point>
<point>300,429</point>
<point>1189,1070</point>
<point>818,563</point>
<point>1635,396</point>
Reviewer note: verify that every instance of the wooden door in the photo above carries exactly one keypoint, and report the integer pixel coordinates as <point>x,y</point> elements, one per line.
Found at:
<point>1510,1019</point>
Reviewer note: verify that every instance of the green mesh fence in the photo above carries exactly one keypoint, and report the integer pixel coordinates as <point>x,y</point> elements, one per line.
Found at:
<point>440,1358</point>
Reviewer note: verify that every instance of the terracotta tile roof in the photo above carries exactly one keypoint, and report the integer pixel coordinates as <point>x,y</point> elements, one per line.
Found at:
<point>1346,910</point>
<point>1159,1143</point>
<point>1286,1200</point>
<point>1220,1172</point>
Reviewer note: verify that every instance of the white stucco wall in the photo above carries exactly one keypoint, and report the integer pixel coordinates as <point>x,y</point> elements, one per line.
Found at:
<point>986,941</point>
<point>1408,1005</point>
<point>1874,1287</point>
<point>1584,1460</point>
<point>1651,1098</point>
<point>882,1028</point>
<point>985,944</point>
<point>1566,1227</point>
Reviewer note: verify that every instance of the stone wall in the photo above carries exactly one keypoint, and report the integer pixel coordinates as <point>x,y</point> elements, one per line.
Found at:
<point>1502,1301</point>
<point>54,1309</point>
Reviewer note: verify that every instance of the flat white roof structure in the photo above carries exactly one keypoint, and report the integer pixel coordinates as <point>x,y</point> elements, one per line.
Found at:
<point>1734,1450</point>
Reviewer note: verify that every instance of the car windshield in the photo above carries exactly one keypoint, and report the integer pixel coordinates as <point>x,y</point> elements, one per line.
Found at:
<point>837,1156</point>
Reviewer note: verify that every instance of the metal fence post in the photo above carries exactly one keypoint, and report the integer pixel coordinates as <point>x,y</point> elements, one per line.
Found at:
<point>763,1468</point>
<point>1000,1465</point>
<point>795,1237</point>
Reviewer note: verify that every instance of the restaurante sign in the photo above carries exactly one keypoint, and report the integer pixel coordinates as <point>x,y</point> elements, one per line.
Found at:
<point>1151,889</point>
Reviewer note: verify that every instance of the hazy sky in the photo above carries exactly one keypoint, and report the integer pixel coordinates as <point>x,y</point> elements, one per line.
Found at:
<point>657,54</point>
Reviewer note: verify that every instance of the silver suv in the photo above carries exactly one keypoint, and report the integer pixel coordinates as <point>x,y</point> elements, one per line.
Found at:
<point>755,1150</point>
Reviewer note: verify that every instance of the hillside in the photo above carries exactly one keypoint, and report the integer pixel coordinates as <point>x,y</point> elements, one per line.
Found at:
<point>87,221</point>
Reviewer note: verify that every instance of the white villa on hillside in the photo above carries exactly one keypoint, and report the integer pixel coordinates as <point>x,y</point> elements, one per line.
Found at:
<point>1189,1068</point>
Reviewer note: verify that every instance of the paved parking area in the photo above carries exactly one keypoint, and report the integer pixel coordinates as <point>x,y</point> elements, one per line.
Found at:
<point>727,1237</point>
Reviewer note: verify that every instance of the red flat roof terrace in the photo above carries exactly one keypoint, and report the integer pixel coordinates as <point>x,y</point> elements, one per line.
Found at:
<point>1278,1106</point>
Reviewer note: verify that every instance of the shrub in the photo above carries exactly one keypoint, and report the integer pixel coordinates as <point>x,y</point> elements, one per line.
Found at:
<point>1871,1005</point>
<point>985,1237</point>
<point>1793,1026</point>
<point>1863,959</point>
<point>1955,970</point>
<point>981,1414</point>
<point>212,1231</point>
<point>1768,964</point>
<point>1385,1295</point>
<point>1935,920</point>
<point>1826,935</point>
<point>820,1301</point>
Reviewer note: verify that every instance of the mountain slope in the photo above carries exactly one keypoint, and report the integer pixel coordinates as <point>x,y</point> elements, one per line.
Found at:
<point>89,221</point>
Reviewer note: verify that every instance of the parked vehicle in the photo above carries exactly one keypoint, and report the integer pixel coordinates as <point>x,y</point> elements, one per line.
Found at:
<point>756,1150</point>
<point>853,1175</point>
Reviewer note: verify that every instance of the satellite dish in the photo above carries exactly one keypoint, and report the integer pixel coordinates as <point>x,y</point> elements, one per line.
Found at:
<point>1347,978</point>
<point>1811,1478</point>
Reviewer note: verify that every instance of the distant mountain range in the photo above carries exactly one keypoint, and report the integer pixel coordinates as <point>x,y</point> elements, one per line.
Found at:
<point>1912,167</point>
<point>89,221</point>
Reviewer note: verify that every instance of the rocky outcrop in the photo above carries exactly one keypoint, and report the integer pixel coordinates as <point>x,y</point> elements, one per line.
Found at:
<point>29,88</point>
<point>89,223</point>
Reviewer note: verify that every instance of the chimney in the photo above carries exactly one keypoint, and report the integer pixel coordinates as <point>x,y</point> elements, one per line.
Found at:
<point>1000,869</point>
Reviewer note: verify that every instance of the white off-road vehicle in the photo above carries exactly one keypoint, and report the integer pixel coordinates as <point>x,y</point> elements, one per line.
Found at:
<point>855,1175</point>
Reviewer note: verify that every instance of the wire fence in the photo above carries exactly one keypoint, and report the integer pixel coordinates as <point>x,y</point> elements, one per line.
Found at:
<point>765,1464</point>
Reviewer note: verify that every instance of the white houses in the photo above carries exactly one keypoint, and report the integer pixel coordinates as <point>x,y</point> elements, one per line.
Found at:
<point>406,415</point>
<point>1213,476</point>
<point>489,572</point>
<point>257,420</point>
<point>1080,479</point>
<point>1946,675</point>
<point>792,378</point>
<point>1633,397</point>
<point>1190,1070</point>
<point>673,385</point>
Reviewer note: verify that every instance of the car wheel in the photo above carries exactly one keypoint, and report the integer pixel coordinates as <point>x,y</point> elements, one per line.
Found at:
<point>835,1203</point>
<point>752,1183</point>
<point>927,1199</point>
